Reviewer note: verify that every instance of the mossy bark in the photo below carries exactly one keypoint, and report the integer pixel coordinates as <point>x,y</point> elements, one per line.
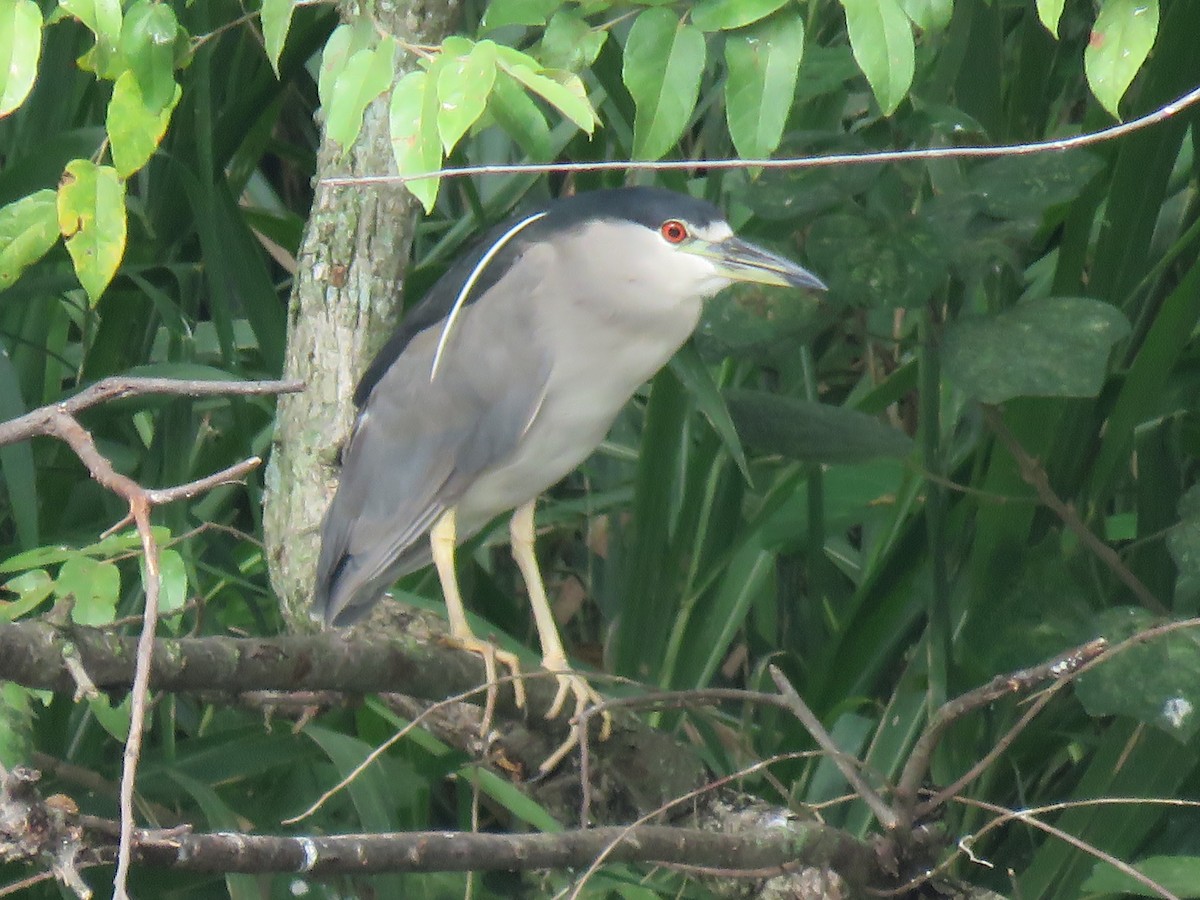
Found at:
<point>345,300</point>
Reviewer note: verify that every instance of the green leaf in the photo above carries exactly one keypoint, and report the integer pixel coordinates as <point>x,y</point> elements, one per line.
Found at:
<point>783,194</point>
<point>173,581</point>
<point>1014,187</point>
<point>93,585</point>
<point>113,719</point>
<point>1050,11</point>
<point>664,59</point>
<point>517,12</point>
<point>520,117</point>
<point>464,85</point>
<point>689,368</point>
<point>1057,347</point>
<point>373,801</point>
<point>812,432</point>
<point>106,548</point>
<point>562,90</point>
<point>32,588</point>
<point>1121,40</point>
<point>569,42</point>
<point>367,74</point>
<point>879,261</point>
<point>17,471</point>
<point>16,726</point>
<point>1178,874</point>
<point>135,128</point>
<point>124,541</point>
<point>20,49</point>
<point>723,15</point>
<point>929,15</point>
<point>38,556</point>
<point>102,17</point>
<point>148,44</point>
<point>758,323</point>
<point>1183,541</point>
<point>750,573</point>
<point>276,17</point>
<point>1156,681</point>
<point>882,40</point>
<point>334,57</point>
<point>28,229</point>
<point>763,63</point>
<point>413,125</point>
<point>91,216</point>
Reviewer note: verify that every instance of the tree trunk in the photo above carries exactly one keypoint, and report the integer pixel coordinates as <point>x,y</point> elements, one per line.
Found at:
<point>345,299</point>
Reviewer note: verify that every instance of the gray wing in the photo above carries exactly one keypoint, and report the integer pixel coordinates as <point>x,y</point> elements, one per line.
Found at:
<point>416,447</point>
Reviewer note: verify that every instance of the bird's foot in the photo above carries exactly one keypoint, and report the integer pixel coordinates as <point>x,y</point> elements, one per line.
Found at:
<point>491,654</point>
<point>572,683</point>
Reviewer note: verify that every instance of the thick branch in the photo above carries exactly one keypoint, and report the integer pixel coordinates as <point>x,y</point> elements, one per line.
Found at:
<point>51,830</point>
<point>781,849</point>
<point>409,658</point>
<point>345,299</point>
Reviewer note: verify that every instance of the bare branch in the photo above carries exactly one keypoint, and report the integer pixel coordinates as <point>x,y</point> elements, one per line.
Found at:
<point>231,475</point>
<point>748,855</point>
<point>1035,476</point>
<point>32,828</point>
<point>779,850</point>
<point>58,420</point>
<point>887,818</point>
<point>1062,668</point>
<point>408,657</point>
<point>32,423</point>
<point>139,508</point>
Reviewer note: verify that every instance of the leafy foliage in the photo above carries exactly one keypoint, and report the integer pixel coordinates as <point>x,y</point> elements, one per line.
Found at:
<point>888,560</point>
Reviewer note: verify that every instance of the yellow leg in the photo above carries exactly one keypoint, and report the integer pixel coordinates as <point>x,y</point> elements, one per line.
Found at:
<point>554,657</point>
<point>443,539</point>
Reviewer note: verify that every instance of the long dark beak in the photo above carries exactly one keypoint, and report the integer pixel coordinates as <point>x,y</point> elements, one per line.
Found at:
<point>742,261</point>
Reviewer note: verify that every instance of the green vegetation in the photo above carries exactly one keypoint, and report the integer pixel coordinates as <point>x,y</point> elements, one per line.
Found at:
<point>978,450</point>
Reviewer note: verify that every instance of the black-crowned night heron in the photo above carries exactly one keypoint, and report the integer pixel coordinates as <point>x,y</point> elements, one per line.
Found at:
<point>505,378</point>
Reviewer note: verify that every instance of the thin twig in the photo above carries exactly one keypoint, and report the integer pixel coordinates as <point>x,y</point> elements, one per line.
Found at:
<point>378,751</point>
<point>917,767</point>
<point>140,509</point>
<point>796,705</point>
<point>58,420</point>
<point>231,475</point>
<point>36,878</point>
<point>1035,476</point>
<point>623,832</point>
<point>1074,663</point>
<point>1030,817</point>
<point>32,423</point>
<point>653,700</point>
<point>1161,114</point>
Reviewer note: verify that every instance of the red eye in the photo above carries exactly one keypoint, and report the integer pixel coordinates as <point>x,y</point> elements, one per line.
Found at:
<point>674,231</point>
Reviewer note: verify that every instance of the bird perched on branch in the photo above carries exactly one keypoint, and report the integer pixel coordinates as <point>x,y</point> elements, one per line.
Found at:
<point>505,378</point>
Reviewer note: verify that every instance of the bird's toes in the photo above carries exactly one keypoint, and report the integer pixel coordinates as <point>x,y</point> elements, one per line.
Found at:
<point>511,662</point>
<point>491,655</point>
<point>560,696</point>
<point>574,684</point>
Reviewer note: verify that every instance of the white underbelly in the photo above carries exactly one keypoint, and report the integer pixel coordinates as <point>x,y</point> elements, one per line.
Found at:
<point>601,348</point>
<point>562,436</point>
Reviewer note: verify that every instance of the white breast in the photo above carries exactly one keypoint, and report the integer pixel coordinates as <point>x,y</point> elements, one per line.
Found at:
<point>602,343</point>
